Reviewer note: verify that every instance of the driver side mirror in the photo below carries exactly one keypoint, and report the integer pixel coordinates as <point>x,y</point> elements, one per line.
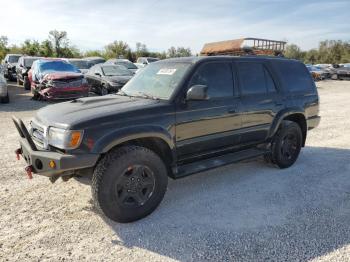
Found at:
<point>197,92</point>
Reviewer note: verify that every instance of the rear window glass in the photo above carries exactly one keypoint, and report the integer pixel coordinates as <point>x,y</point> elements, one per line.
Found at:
<point>295,77</point>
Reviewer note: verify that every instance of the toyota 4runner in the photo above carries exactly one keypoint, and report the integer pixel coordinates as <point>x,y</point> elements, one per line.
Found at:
<point>175,118</point>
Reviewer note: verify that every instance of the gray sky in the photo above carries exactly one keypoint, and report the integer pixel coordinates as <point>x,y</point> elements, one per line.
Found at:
<point>162,23</point>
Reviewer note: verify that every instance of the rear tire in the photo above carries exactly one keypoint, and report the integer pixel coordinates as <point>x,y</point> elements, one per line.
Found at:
<point>286,144</point>
<point>128,183</point>
<point>19,81</point>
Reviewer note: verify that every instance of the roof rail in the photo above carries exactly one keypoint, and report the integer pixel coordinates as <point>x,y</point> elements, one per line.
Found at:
<point>245,46</point>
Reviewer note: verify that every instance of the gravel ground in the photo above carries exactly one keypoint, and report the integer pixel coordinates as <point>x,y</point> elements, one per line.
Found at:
<point>244,212</point>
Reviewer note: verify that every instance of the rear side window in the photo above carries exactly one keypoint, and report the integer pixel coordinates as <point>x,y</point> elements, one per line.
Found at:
<point>294,75</point>
<point>217,76</point>
<point>255,79</point>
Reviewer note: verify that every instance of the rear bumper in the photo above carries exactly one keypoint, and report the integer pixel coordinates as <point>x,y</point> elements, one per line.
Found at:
<point>39,160</point>
<point>313,122</point>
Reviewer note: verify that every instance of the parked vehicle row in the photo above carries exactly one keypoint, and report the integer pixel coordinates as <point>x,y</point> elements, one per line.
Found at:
<point>67,78</point>
<point>329,71</point>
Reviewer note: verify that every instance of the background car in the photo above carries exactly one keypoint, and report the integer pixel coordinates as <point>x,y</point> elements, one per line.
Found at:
<point>318,73</point>
<point>23,66</point>
<point>342,73</point>
<point>124,62</point>
<point>143,61</point>
<point>4,96</point>
<point>82,64</point>
<point>53,79</point>
<point>94,60</point>
<point>9,63</point>
<point>105,78</point>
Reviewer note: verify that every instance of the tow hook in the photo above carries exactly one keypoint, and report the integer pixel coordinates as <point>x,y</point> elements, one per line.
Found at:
<point>18,152</point>
<point>29,170</point>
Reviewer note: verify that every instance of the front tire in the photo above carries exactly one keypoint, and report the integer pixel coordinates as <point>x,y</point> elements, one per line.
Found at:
<point>5,100</point>
<point>128,183</point>
<point>286,144</point>
<point>103,90</point>
<point>26,83</point>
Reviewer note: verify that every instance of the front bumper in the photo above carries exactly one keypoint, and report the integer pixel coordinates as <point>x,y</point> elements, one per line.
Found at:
<point>313,122</point>
<point>39,160</point>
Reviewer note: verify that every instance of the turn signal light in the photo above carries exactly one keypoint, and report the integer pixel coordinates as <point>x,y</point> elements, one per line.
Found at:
<point>52,164</point>
<point>75,139</point>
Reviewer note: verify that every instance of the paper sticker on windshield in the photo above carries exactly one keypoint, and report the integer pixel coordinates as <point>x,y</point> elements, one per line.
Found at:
<point>166,71</point>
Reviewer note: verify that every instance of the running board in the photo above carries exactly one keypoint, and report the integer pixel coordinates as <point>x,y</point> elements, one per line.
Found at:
<point>202,165</point>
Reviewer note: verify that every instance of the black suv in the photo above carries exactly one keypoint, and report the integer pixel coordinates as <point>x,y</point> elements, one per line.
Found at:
<point>174,118</point>
<point>23,66</point>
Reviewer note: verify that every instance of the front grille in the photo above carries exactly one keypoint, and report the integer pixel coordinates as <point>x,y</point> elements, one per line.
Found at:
<point>38,134</point>
<point>67,83</point>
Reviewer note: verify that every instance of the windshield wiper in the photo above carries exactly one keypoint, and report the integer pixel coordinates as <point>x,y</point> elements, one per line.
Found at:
<point>121,93</point>
<point>142,94</point>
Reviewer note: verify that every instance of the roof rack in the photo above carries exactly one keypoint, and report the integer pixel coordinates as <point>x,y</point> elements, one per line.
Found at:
<point>245,46</point>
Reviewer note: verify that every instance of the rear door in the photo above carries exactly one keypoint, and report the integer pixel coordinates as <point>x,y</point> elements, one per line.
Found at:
<point>209,125</point>
<point>260,100</point>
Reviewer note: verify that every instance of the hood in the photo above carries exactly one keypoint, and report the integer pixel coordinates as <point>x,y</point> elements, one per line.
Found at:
<point>104,108</point>
<point>118,79</point>
<point>62,76</point>
<point>84,71</point>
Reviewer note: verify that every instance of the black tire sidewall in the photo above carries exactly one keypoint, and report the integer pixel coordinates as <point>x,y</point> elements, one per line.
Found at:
<point>26,83</point>
<point>113,167</point>
<point>287,128</point>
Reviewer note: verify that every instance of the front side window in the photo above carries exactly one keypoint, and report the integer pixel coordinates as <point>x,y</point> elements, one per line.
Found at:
<point>217,76</point>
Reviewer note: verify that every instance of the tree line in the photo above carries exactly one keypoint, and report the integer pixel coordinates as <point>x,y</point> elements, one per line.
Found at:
<point>58,45</point>
<point>328,52</point>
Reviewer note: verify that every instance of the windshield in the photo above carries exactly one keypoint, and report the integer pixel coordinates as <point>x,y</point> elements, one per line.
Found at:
<point>112,70</point>
<point>157,80</point>
<point>81,64</point>
<point>126,64</point>
<point>14,58</point>
<point>28,62</point>
<point>58,66</point>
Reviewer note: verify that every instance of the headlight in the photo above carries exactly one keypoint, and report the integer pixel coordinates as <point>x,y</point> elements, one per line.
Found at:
<point>64,139</point>
<point>84,81</point>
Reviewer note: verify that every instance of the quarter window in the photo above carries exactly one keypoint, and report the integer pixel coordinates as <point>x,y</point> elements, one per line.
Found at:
<point>217,76</point>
